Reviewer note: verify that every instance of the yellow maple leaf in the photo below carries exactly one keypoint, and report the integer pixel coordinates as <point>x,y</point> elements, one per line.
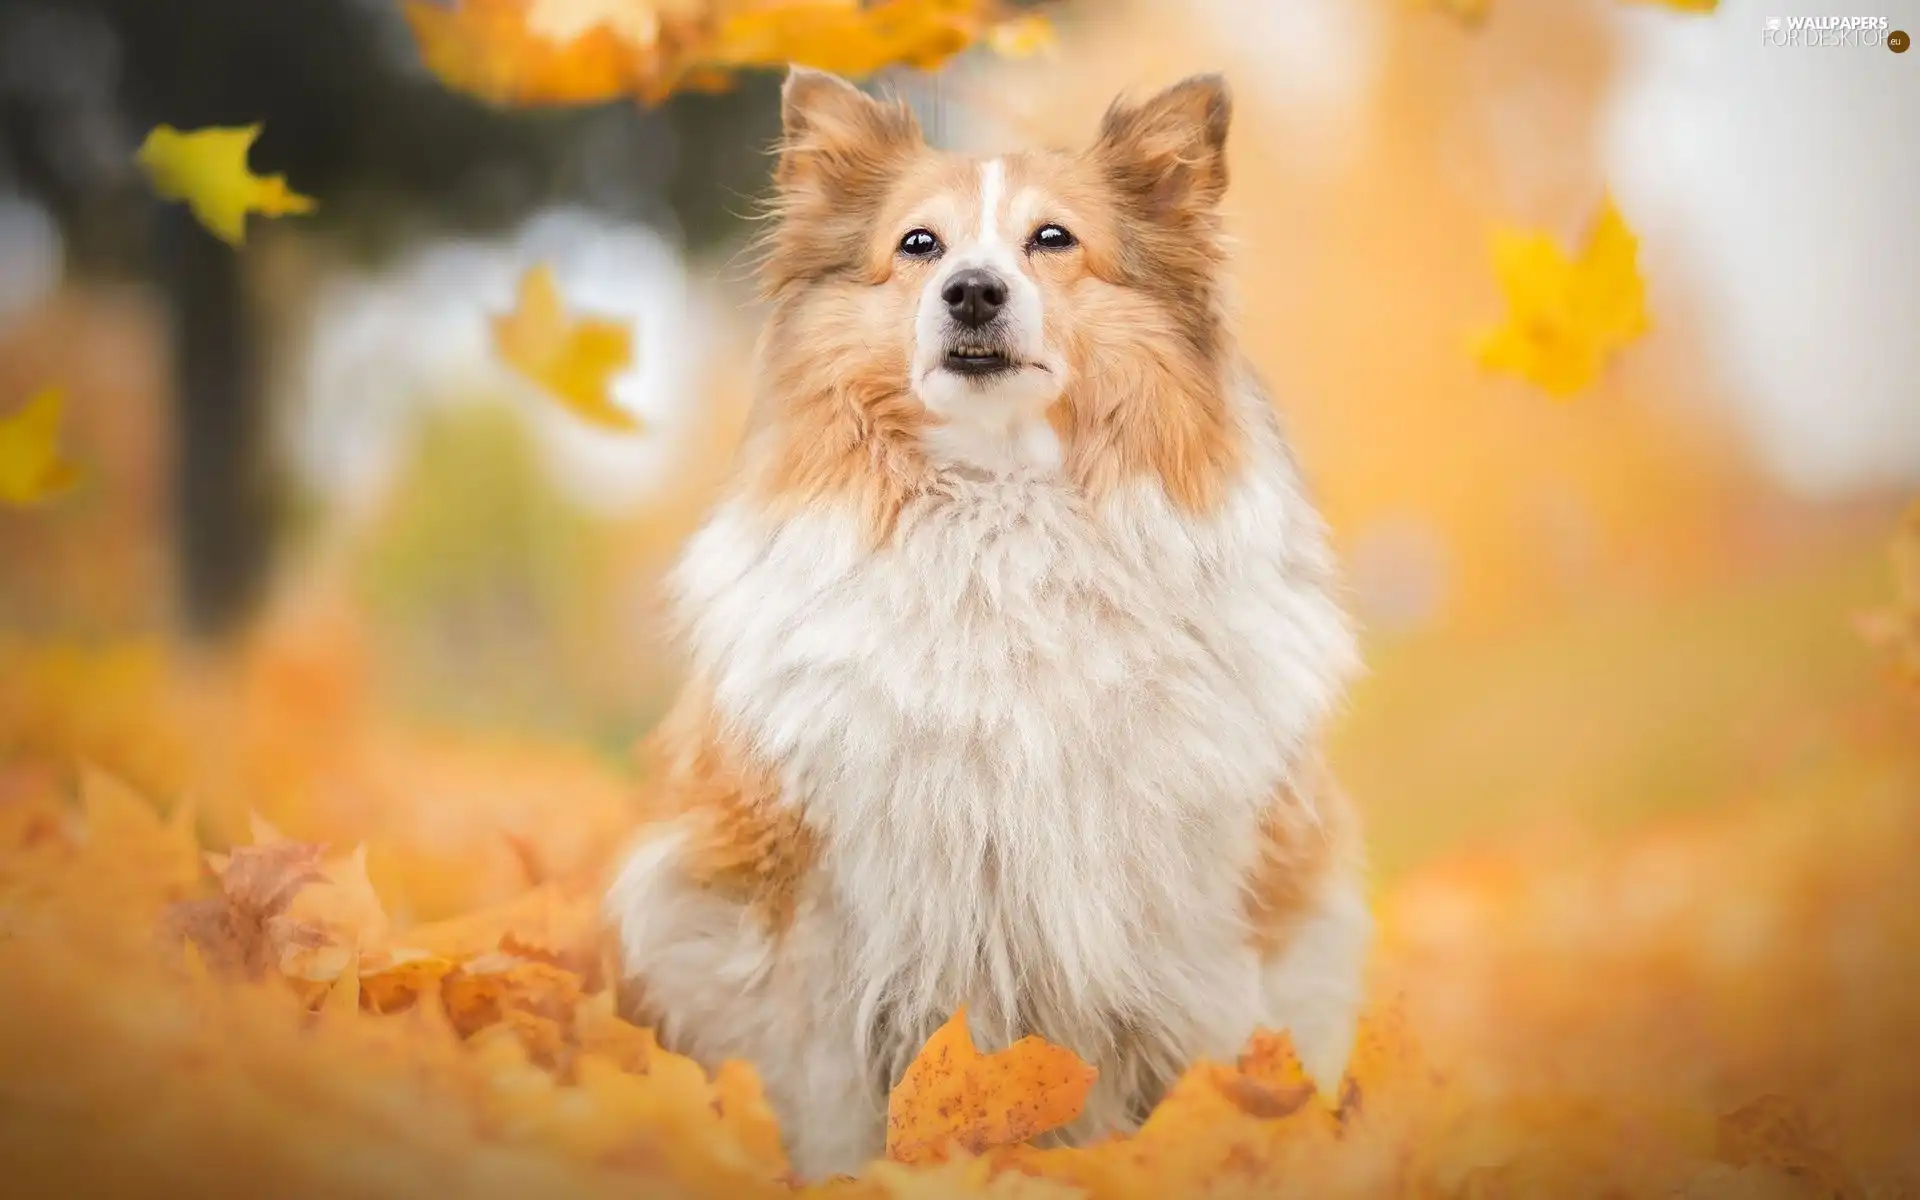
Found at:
<point>1565,316</point>
<point>1687,6</point>
<point>574,359</point>
<point>952,1094</point>
<point>207,169</point>
<point>31,468</point>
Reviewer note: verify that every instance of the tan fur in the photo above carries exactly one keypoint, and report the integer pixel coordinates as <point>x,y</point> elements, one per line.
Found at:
<point>1308,831</point>
<point>744,844</point>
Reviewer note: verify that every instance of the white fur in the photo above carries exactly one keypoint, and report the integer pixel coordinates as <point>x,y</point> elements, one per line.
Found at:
<point>1036,740</point>
<point>999,422</point>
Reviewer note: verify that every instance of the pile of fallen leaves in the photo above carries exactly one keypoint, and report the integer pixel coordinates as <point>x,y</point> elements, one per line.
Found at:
<point>256,935</point>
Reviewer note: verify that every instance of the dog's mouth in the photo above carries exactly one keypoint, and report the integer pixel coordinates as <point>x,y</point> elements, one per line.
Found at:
<point>980,361</point>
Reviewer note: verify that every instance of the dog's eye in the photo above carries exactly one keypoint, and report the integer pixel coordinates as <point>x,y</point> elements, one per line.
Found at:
<point>920,244</point>
<point>1052,237</point>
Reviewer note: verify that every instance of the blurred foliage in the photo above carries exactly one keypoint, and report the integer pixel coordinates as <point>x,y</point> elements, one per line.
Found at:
<point>481,574</point>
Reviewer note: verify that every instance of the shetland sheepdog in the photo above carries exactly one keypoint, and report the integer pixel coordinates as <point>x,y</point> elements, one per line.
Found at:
<point>1010,645</point>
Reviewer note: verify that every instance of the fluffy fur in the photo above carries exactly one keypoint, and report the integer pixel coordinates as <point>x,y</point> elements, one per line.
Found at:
<point>1005,690</point>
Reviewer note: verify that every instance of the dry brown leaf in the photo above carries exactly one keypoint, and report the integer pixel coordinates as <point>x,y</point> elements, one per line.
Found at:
<point>233,931</point>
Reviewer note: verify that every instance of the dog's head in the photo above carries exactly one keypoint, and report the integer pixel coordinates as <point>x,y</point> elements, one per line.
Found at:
<point>974,303</point>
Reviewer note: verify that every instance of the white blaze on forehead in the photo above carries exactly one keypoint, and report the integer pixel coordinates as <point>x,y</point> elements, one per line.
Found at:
<point>993,182</point>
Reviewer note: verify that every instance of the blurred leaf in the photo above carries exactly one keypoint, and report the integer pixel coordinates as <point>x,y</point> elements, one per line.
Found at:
<point>854,39</point>
<point>574,359</point>
<point>207,169</point>
<point>31,468</point>
<point>1565,317</point>
<point>511,52</point>
<point>564,52</point>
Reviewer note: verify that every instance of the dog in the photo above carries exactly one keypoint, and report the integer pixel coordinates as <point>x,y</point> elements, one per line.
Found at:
<point>1010,645</point>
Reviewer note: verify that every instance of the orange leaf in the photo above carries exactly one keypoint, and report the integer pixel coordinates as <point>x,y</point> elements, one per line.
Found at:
<point>953,1094</point>
<point>482,991</point>
<point>393,980</point>
<point>486,49</point>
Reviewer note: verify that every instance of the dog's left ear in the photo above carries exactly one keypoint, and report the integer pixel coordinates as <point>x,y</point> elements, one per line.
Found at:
<point>1169,153</point>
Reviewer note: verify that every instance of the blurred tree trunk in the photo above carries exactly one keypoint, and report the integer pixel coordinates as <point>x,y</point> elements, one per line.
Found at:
<point>222,499</point>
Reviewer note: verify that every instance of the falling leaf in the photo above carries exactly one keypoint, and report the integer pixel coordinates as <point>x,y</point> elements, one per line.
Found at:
<point>207,169</point>
<point>574,359</point>
<point>953,1095</point>
<point>847,38</point>
<point>503,53</point>
<point>32,470</point>
<point>567,52</point>
<point>1565,317</point>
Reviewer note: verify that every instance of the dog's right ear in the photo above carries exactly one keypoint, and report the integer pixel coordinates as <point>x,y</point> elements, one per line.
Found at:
<point>835,137</point>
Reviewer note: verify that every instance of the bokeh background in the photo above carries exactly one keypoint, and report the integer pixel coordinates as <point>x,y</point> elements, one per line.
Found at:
<point>1590,624</point>
<point>1585,611</point>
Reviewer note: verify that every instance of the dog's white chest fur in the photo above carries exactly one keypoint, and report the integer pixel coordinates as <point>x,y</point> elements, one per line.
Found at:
<point>1036,740</point>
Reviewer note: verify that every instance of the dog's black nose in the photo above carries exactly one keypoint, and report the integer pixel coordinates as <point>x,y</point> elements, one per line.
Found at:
<point>974,296</point>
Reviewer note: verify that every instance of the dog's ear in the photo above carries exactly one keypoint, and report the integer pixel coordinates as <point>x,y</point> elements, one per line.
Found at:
<point>835,137</point>
<point>1169,153</point>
